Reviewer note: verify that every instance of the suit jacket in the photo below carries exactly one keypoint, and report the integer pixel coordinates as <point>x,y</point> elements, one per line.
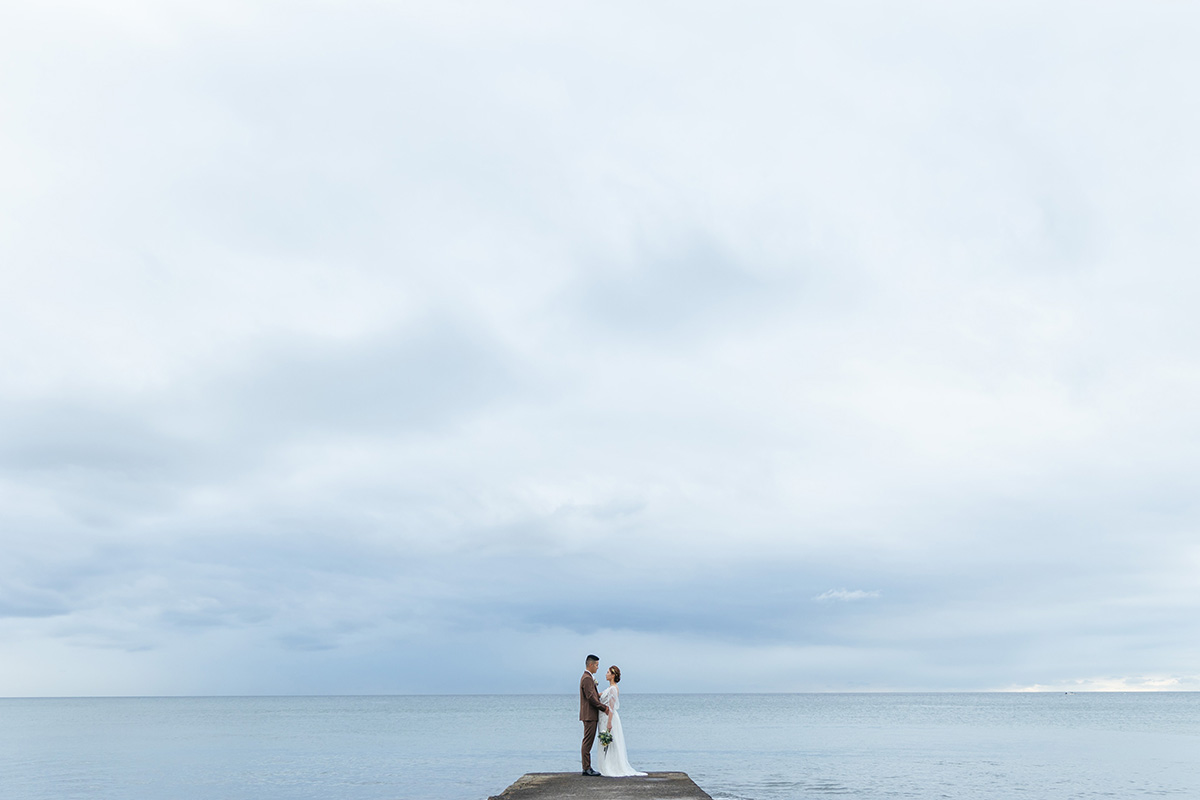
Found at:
<point>589,700</point>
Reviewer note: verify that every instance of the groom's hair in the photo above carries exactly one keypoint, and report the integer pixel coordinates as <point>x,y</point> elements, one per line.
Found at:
<point>591,658</point>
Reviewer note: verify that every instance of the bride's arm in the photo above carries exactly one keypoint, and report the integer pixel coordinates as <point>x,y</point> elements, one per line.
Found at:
<point>616,694</point>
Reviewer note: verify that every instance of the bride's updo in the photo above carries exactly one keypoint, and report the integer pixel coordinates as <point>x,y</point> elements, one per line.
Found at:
<point>616,671</point>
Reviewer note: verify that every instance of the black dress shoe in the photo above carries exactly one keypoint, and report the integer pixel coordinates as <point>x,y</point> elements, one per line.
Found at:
<point>591,773</point>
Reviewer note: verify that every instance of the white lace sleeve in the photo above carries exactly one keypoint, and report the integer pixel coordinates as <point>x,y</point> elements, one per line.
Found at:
<point>611,698</point>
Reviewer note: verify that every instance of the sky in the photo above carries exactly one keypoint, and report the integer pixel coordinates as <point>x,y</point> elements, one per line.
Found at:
<point>407,347</point>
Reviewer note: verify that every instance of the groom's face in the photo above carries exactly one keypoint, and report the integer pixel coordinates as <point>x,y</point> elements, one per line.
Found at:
<point>592,665</point>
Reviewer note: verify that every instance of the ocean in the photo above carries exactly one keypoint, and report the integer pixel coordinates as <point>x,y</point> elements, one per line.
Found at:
<point>736,747</point>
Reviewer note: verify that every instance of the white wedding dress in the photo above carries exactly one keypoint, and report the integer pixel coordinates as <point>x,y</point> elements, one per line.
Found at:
<point>613,762</point>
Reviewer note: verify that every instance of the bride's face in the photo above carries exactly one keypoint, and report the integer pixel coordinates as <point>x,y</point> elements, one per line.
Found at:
<point>608,676</point>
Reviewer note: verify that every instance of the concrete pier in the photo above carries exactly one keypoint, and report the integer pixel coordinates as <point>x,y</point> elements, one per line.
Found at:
<point>573,786</point>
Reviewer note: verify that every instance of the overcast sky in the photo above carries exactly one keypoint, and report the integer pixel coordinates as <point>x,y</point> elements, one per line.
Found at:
<point>381,347</point>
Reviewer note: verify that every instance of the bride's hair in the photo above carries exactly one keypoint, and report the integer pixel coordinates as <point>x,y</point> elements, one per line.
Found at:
<point>616,671</point>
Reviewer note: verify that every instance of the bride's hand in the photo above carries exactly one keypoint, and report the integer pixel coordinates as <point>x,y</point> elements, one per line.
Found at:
<point>610,727</point>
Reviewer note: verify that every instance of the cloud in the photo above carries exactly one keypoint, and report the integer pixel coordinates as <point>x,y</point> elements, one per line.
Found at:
<point>844,596</point>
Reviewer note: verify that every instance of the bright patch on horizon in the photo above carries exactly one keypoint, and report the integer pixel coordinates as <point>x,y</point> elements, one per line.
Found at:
<point>1124,684</point>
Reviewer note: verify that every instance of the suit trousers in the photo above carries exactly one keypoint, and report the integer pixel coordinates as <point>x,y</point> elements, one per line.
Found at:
<point>589,738</point>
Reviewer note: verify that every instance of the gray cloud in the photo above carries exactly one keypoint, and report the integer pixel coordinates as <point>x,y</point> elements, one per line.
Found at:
<point>689,290</point>
<point>416,382</point>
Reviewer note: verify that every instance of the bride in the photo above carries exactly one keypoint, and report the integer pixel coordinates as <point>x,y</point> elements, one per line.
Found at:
<point>612,761</point>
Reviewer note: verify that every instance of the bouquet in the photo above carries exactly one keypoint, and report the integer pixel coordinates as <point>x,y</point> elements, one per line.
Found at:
<point>606,739</point>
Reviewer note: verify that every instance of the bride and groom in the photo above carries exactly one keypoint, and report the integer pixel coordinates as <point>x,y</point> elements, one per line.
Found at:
<point>612,758</point>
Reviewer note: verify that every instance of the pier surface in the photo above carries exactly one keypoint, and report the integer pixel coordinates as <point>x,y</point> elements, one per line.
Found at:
<point>573,786</point>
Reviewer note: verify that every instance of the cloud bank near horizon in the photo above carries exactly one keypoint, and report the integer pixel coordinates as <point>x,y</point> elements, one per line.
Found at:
<point>363,348</point>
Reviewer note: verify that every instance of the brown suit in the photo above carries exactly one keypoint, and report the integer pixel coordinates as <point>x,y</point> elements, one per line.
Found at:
<point>589,714</point>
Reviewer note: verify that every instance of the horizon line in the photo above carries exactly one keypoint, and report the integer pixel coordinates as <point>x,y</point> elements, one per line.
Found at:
<point>571,694</point>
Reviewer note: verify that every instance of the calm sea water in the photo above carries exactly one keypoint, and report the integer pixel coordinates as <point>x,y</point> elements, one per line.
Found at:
<point>757,747</point>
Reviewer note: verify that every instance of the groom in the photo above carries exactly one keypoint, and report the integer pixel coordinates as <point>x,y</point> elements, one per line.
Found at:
<point>589,711</point>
